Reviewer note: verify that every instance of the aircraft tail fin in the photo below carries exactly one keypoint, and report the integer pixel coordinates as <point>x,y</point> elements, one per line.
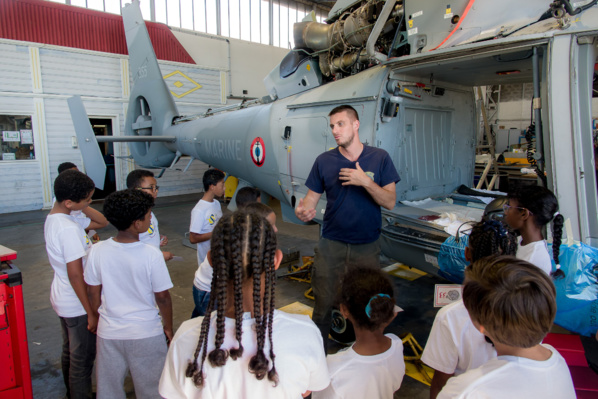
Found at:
<point>151,106</point>
<point>95,167</point>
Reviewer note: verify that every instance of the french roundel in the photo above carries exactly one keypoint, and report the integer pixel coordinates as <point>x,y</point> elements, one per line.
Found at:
<point>258,151</point>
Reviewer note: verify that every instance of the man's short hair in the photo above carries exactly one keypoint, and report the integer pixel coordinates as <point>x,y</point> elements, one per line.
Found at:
<point>350,110</point>
<point>212,177</point>
<point>72,185</point>
<point>512,299</point>
<point>246,195</point>
<point>124,207</point>
<point>135,177</point>
<point>66,166</point>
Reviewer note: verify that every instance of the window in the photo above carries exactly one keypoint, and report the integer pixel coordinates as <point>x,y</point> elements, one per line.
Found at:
<point>240,19</point>
<point>17,137</point>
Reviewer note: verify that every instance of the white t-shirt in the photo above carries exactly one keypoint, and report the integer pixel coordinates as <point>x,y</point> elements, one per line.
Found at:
<point>66,241</point>
<point>130,274</point>
<point>356,376</point>
<point>513,377</point>
<point>535,253</point>
<point>300,361</point>
<point>152,235</point>
<point>79,216</point>
<point>455,345</point>
<point>203,276</point>
<point>204,217</point>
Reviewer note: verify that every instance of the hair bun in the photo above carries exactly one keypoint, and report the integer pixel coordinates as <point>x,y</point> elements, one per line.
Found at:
<point>368,307</point>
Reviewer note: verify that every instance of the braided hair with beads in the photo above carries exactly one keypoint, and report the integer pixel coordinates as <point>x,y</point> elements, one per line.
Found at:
<point>491,237</point>
<point>243,248</point>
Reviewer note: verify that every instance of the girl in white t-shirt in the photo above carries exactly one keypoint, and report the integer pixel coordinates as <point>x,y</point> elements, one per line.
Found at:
<point>252,350</point>
<point>373,367</point>
<point>527,211</point>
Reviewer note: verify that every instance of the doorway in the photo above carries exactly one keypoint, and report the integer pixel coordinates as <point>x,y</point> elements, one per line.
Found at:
<point>103,127</point>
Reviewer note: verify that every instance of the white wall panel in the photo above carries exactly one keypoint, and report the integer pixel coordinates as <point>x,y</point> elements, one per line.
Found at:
<point>60,130</point>
<point>80,73</point>
<point>101,80</point>
<point>202,86</point>
<point>15,71</point>
<point>21,186</point>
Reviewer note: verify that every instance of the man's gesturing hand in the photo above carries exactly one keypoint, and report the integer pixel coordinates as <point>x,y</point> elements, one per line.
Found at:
<point>304,214</point>
<point>354,177</point>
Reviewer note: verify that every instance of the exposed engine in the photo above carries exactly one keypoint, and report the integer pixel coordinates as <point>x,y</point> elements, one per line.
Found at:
<point>361,36</point>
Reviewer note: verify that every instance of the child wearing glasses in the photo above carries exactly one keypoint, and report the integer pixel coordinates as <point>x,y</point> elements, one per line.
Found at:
<point>145,181</point>
<point>527,211</point>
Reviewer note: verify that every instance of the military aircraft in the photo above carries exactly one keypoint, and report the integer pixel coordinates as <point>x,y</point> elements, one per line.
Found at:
<point>410,68</point>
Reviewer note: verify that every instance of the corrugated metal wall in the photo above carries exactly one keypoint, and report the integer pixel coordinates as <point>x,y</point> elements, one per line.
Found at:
<point>69,26</point>
<point>37,80</point>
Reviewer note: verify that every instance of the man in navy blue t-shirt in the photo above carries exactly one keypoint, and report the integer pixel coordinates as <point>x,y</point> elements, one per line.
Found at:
<point>358,180</point>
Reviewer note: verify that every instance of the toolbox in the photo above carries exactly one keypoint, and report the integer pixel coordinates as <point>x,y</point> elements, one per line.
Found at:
<point>15,376</point>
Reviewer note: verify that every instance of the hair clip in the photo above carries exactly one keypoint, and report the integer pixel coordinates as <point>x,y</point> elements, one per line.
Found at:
<point>558,266</point>
<point>556,214</point>
<point>495,226</point>
<point>368,308</point>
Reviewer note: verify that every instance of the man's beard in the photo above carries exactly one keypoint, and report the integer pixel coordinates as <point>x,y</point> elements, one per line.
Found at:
<point>347,143</point>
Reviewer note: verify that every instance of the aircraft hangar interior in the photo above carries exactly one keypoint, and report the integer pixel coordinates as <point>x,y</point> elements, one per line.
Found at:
<point>428,179</point>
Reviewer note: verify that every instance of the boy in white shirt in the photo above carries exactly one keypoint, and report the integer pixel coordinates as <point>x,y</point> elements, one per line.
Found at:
<point>204,217</point>
<point>203,276</point>
<point>129,283</point>
<point>513,303</point>
<point>90,219</point>
<point>455,345</point>
<point>145,181</point>
<point>67,245</point>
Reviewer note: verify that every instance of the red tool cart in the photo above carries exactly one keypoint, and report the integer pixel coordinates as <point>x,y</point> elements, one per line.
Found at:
<point>15,376</point>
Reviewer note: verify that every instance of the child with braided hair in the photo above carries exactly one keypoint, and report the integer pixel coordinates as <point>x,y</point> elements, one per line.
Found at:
<point>455,345</point>
<point>242,330</point>
<point>373,367</point>
<point>527,211</point>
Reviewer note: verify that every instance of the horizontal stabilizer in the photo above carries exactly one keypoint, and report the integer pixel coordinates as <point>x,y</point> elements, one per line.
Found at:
<point>95,167</point>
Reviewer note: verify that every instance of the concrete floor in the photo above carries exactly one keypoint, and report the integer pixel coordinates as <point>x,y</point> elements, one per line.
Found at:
<point>23,232</point>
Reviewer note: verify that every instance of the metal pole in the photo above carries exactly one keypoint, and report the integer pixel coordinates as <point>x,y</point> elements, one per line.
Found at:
<point>270,23</point>
<point>166,8</point>
<point>152,10</point>
<point>218,22</point>
<point>136,139</point>
<point>260,19</point>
